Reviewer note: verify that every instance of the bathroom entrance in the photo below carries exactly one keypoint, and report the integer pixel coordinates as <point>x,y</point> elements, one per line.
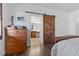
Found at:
<point>36,31</point>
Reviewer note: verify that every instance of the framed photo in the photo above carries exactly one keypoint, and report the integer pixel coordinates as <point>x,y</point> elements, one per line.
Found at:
<point>21,18</point>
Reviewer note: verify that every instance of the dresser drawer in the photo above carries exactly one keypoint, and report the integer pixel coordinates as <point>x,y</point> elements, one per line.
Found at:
<point>10,42</point>
<point>22,32</point>
<point>21,43</point>
<point>12,45</point>
<point>10,50</point>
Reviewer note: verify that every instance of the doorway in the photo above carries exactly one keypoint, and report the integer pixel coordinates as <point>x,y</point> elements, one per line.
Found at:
<point>36,30</point>
<point>42,29</point>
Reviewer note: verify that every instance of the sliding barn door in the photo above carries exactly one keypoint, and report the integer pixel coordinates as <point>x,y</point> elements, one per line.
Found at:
<point>48,29</point>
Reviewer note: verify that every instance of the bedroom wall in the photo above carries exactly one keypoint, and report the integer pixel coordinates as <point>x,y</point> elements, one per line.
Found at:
<point>9,10</point>
<point>61,17</point>
<point>61,22</point>
<point>73,16</point>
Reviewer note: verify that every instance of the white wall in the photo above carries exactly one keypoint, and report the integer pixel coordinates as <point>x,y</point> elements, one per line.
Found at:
<point>19,9</point>
<point>77,27</point>
<point>61,17</point>
<point>7,11</point>
<point>61,20</point>
<point>61,23</point>
<point>73,16</point>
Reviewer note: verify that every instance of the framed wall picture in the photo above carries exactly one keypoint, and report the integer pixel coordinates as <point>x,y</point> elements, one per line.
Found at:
<point>21,18</point>
<point>20,21</point>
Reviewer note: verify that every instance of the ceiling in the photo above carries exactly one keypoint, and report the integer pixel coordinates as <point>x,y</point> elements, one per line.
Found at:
<point>66,7</point>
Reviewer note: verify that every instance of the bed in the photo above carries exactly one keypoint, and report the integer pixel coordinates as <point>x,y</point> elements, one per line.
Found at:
<point>68,47</point>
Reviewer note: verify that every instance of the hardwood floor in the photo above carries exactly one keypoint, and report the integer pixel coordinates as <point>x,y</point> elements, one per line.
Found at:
<point>36,49</point>
<point>45,50</point>
<point>35,41</point>
<point>39,49</point>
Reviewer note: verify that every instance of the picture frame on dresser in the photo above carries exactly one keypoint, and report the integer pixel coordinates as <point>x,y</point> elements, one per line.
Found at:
<point>21,18</point>
<point>20,21</point>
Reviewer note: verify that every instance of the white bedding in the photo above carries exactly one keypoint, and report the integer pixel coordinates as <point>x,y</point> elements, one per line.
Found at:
<point>68,47</point>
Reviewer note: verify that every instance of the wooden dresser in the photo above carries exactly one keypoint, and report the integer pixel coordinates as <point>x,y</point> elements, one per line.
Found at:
<point>16,40</point>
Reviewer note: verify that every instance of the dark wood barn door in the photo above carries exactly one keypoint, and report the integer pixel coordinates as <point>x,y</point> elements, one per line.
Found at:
<point>48,29</point>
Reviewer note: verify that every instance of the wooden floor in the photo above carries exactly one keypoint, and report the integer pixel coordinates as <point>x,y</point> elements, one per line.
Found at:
<point>36,49</point>
<point>39,49</point>
<point>35,41</point>
<point>44,50</point>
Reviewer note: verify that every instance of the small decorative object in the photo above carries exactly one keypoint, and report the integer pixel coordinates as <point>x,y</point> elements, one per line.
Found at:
<point>12,20</point>
<point>31,26</point>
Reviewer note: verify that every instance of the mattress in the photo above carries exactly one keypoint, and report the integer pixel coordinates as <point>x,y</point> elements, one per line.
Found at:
<point>68,47</point>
